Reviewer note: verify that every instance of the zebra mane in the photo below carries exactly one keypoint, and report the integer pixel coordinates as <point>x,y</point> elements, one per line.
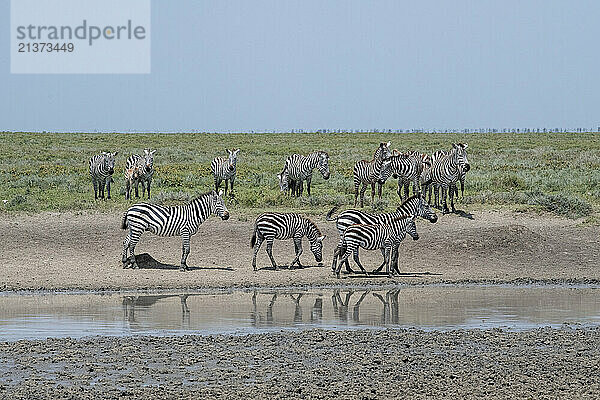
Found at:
<point>414,196</point>
<point>310,221</point>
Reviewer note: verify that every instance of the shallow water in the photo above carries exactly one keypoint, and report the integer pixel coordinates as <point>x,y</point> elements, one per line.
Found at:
<point>445,307</point>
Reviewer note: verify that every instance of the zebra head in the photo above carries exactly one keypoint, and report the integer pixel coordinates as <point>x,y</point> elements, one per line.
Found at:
<point>316,246</point>
<point>424,210</point>
<point>323,164</point>
<point>233,153</point>
<point>284,182</point>
<point>459,151</point>
<point>219,205</point>
<point>383,151</point>
<point>148,159</point>
<point>411,228</point>
<point>386,171</point>
<point>109,161</point>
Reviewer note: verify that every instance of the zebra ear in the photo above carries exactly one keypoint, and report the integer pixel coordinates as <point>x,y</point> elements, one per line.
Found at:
<point>388,144</point>
<point>236,151</point>
<point>465,145</point>
<point>152,152</point>
<point>115,153</point>
<point>320,238</point>
<point>220,192</point>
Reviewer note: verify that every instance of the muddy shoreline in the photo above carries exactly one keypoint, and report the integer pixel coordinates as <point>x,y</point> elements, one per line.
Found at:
<point>543,363</point>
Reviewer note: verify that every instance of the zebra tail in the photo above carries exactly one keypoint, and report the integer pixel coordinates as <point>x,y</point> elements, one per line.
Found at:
<point>124,221</point>
<point>253,240</point>
<point>330,213</point>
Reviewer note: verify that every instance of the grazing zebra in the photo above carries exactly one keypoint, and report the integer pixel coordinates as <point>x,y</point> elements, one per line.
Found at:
<point>447,169</point>
<point>415,205</point>
<point>224,169</point>
<point>271,226</point>
<point>372,237</point>
<point>145,164</point>
<point>170,221</point>
<point>371,172</point>
<point>132,176</point>
<point>407,167</point>
<point>102,166</point>
<point>300,168</point>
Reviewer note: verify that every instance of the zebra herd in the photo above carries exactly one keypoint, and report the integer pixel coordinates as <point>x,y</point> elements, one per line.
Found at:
<point>443,170</point>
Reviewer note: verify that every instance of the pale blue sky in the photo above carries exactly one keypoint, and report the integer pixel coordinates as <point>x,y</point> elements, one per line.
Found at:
<point>223,65</point>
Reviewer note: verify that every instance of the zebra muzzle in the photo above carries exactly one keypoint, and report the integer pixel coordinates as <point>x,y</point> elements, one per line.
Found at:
<point>416,237</point>
<point>225,216</point>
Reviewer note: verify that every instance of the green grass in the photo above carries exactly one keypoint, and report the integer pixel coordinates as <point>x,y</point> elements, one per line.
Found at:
<point>555,172</point>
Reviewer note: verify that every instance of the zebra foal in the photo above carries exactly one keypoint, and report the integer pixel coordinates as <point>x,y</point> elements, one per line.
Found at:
<point>145,165</point>
<point>372,237</point>
<point>102,166</point>
<point>224,169</point>
<point>169,221</point>
<point>271,226</point>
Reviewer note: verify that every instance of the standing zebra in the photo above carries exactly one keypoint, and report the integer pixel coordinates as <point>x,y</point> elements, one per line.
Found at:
<point>447,170</point>
<point>170,221</point>
<point>372,237</point>
<point>102,166</point>
<point>225,169</point>
<point>371,172</point>
<point>415,205</point>
<point>145,164</point>
<point>407,167</point>
<point>271,226</point>
<point>300,168</point>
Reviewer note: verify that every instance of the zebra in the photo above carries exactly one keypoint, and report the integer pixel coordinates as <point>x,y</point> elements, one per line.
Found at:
<point>300,168</point>
<point>372,237</point>
<point>414,205</point>
<point>102,166</point>
<point>225,169</point>
<point>132,176</point>
<point>270,226</point>
<point>170,221</point>
<point>145,164</point>
<point>447,170</point>
<point>370,172</point>
<point>407,167</point>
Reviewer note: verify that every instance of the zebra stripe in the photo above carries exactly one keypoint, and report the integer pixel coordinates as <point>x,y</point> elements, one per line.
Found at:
<point>370,172</point>
<point>407,167</point>
<point>372,237</point>
<point>415,205</point>
<point>447,170</point>
<point>271,226</point>
<point>102,166</point>
<point>145,164</point>
<point>224,169</point>
<point>300,168</point>
<point>170,221</point>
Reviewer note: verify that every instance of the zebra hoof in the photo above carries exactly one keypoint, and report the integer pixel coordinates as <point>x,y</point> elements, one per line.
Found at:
<point>135,266</point>
<point>183,268</point>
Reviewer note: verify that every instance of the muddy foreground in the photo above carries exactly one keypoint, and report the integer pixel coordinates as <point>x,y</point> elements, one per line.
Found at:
<point>57,251</point>
<point>543,363</point>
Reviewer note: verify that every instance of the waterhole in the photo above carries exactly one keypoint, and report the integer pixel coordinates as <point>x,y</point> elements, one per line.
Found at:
<point>39,316</point>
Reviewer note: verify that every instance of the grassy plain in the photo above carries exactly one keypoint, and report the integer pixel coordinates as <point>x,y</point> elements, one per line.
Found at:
<point>556,172</point>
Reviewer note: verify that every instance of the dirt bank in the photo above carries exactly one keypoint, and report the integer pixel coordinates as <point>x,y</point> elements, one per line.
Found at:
<point>83,251</point>
<point>543,363</point>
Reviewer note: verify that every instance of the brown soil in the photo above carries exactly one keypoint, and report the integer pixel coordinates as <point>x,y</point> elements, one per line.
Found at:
<point>57,251</point>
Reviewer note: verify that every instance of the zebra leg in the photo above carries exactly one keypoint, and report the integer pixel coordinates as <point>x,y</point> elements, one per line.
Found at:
<point>382,264</point>
<point>379,189</point>
<point>452,190</point>
<point>149,181</point>
<point>231,184</point>
<point>356,193</point>
<point>386,255</point>
<point>95,183</point>
<point>372,193</point>
<point>308,184</point>
<point>259,240</point>
<point>134,237</point>
<point>394,258</point>
<point>270,251</point>
<point>444,195</point>
<point>125,257</point>
<point>108,186</point>
<point>101,185</point>
<point>217,184</point>
<point>298,249</point>
<point>407,189</point>
<point>357,261</point>
<point>137,185</point>
<point>343,260</point>
<point>185,250</point>
<point>363,189</point>
<point>399,191</point>
<point>225,194</point>
<point>436,189</point>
